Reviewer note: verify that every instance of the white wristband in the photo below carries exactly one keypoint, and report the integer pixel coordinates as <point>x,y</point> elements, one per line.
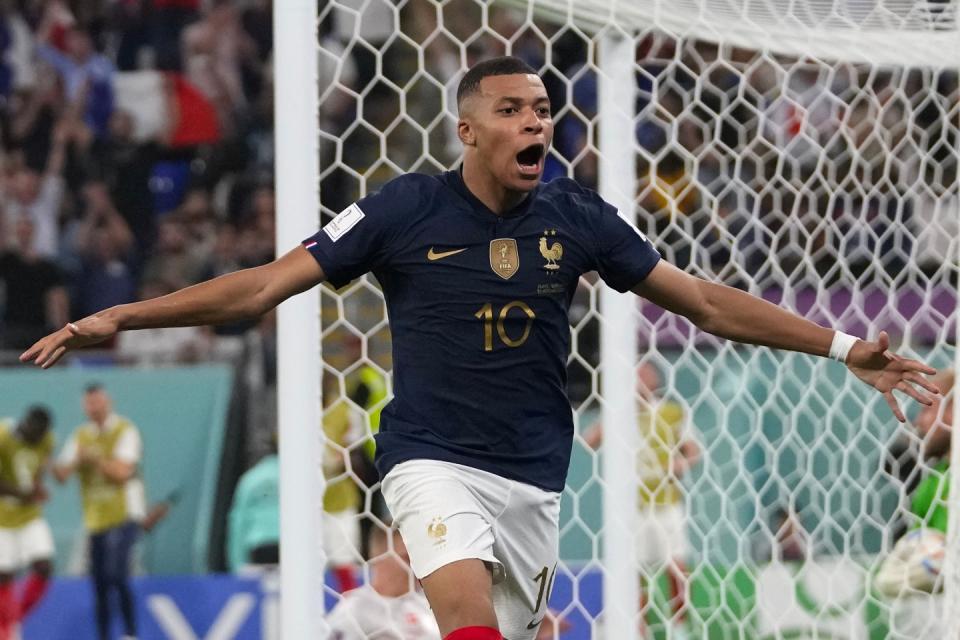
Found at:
<point>841,345</point>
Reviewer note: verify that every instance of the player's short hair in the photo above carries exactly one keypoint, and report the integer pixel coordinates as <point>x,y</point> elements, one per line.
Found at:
<point>502,66</point>
<point>93,387</point>
<point>38,416</point>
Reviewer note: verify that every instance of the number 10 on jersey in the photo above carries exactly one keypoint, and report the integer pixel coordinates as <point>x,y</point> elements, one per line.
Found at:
<point>486,313</point>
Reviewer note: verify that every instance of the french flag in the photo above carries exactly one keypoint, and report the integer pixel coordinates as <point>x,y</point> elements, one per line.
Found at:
<point>166,107</point>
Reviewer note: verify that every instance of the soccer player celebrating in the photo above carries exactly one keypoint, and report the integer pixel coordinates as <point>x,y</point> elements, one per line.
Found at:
<point>478,266</point>
<point>25,538</point>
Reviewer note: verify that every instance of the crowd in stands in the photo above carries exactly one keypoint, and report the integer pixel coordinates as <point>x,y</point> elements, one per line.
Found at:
<point>136,152</point>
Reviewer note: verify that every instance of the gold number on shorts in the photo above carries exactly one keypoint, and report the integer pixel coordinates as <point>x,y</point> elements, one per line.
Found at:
<point>486,315</point>
<point>545,578</point>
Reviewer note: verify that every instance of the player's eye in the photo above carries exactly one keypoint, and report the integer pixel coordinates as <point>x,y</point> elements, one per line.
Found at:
<point>508,110</point>
<point>544,111</point>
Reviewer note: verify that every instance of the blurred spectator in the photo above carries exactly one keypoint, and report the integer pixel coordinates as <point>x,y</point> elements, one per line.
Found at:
<point>215,49</point>
<point>105,246</point>
<point>391,605</point>
<point>668,451</point>
<point>39,197</point>
<point>175,259</point>
<point>127,165</point>
<point>25,537</point>
<point>36,300</point>
<point>169,345</point>
<point>106,453</point>
<point>16,53</point>
<point>342,500</point>
<point>87,75</point>
<point>253,526</point>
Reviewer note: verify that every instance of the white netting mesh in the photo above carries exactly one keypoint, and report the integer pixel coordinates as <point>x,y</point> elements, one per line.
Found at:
<point>805,151</point>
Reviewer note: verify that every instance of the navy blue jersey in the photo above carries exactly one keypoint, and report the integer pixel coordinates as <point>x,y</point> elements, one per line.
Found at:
<point>478,311</point>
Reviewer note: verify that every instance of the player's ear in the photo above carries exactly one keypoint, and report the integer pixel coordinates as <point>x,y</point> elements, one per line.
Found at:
<point>466,133</point>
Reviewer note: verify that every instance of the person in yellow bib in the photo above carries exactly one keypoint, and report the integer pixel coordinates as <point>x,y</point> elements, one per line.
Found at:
<point>25,538</point>
<point>105,454</point>
<point>668,450</point>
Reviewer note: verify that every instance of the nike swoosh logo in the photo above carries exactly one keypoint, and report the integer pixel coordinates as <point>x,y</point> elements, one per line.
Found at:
<point>434,255</point>
<point>533,624</point>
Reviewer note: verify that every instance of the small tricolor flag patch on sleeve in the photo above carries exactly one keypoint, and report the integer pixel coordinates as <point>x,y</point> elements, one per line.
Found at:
<point>310,245</point>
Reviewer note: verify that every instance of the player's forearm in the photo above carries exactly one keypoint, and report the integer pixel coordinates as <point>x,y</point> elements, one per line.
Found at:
<point>232,297</point>
<point>739,316</point>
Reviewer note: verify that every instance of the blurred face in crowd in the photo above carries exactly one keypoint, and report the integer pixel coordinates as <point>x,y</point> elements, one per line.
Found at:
<point>648,380</point>
<point>171,237</point>
<point>97,405</point>
<point>79,45</point>
<point>391,573</point>
<point>935,422</point>
<point>35,425</point>
<point>26,185</point>
<point>506,128</point>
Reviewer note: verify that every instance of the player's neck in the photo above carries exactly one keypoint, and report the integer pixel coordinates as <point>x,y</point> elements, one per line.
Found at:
<point>487,190</point>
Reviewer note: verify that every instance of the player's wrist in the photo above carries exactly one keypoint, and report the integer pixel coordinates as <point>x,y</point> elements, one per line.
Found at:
<point>841,346</point>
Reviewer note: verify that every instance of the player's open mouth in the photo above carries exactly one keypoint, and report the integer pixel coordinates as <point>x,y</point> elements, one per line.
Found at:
<point>530,160</point>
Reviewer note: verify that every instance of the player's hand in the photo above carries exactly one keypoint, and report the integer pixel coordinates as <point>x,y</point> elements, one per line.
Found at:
<point>885,371</point>
<point>91,330</point>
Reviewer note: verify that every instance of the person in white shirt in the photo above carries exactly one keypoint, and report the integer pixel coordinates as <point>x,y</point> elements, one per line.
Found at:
<point>391,606</point>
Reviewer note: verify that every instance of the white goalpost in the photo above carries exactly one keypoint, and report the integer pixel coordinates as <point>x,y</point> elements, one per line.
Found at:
<point>804,150</point>
<point>298,325</point>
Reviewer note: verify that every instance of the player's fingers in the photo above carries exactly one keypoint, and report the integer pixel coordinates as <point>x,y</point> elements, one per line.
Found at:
<point>894,406</point>
<point>883,341</point>
<point>50,344</point>
<point>916,365</point>
<point>30,353</point>
<point>59,351</point>
<point>921,381</point>
<point>908,389</point>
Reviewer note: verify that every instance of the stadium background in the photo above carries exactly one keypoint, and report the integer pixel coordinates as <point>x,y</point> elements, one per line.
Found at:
<point>174,144</point>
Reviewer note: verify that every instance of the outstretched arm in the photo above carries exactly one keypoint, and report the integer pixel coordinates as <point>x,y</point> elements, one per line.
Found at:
<point>737,315</point>
<point>235,296</point>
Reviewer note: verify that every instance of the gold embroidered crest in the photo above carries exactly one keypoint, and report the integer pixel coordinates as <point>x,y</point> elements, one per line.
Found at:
<point>551,253</point>
<point>437,530</point>
<point>504,257</point>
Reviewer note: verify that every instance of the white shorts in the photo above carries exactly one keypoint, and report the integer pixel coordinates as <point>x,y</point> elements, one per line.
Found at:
<point>21,546</point>
<point>448,512</point>
<point>661,535</point>
<point>341,537</point>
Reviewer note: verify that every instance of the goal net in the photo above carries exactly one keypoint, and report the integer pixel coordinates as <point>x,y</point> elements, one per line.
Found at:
<point>803,150</point>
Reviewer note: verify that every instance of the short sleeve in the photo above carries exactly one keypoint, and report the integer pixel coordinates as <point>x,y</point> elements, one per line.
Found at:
<point>625,256</point>
<point>129,447</point>
<point>68,455</point>
<point>360,238</point>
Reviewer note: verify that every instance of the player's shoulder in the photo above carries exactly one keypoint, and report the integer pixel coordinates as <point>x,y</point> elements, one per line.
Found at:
<point>407,189</point>
<point>571,196</point>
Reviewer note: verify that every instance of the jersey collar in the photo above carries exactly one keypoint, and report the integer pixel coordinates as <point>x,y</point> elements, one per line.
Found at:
<point>456,181</point>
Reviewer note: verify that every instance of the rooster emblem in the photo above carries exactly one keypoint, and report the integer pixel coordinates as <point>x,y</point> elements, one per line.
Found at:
<point>552,253</point>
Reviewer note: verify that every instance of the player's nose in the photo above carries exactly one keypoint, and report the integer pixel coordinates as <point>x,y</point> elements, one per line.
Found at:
<point>532,122</point>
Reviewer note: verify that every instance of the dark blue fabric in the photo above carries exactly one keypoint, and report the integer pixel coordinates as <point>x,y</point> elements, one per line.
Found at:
<point>110,570</point>
<point>465,389</point>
